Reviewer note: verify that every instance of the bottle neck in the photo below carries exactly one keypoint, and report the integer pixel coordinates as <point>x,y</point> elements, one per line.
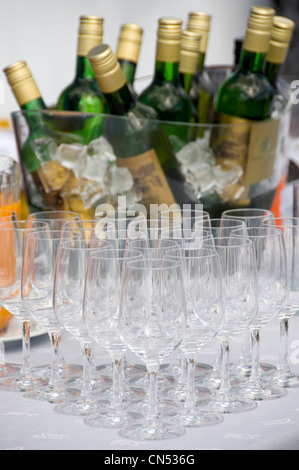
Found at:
<point>32,115</point>
<point>167,71</point>
<point>201,62</point>
<point>252,61</point>
<point>84,69</point>
<point>128,69</point>
<point>120,101</point>
<point>272,72</point>
<point>186,80</point>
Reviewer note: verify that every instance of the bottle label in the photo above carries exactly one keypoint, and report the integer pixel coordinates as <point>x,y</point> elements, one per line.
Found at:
<point>251,144</point>
<point>149,179</point>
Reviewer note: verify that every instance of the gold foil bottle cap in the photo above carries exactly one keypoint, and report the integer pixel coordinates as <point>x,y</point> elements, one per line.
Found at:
<point>129,42</point>
<point>22,83</point>
<point>169,40</point>
<point>258,31</point>
<point>189,52</point>
<point>200,22</point>
<point>281,36</point>
<point>106,68</point>
<point>90,33</point>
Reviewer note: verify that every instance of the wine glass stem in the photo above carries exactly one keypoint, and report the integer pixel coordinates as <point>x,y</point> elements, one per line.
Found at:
<point>2,355</point>
<point>26,366</point>
<point>190,395</point>
<point>225,381</point>
<point>284,343</point>
<point>152,412</point>
<point>117,382</point>
<point>55,380</point>
<point>87,349</point>
<point>255,367</point>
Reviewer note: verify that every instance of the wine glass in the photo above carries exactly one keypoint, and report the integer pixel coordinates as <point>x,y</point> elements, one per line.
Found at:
<point>253,217</point>
<point>240,296</point>
<point>203,288</point>
<point>101,310</point>
<point>273,292</point>
<point>37,289</point>
<point>69,282</point>
<point>290,229</point>
<point>152,323</point>
<point>12,237</point>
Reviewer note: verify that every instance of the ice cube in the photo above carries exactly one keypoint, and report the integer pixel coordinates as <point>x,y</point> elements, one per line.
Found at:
<point>119,180</point>
<point>101,148</point>
<point>53,176</point>
<point>44,148</point>
<point>72,156</point>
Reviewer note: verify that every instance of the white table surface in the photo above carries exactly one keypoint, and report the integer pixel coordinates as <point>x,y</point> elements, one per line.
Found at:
<point>34,425</point>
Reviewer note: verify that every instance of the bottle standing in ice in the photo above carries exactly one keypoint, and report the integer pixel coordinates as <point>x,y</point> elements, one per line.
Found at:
<point>202,91</point>
<point>139,142</point>
<point>281,36</point>
<point>128,50</point>
<point>188,58</point>
<point>244,102</point>
<point>41,172</point>
<point>165,93</point>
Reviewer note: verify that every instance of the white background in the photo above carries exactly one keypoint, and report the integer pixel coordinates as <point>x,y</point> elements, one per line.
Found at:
<point>44,33</point>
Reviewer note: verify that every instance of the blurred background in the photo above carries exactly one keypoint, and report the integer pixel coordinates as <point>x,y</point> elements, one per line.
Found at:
<point>44,33</point>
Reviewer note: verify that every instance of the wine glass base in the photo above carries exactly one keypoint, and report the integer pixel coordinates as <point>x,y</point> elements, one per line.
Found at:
<point>264,391</point>
<point>288,380</point>
<point>232,403</point>
<point>21,384</point>
<point>195,418</point>
<point>112,419</point>
<point>156,430</point>
<point>179,393</point>
<point>79,407</point>
<point>52,395</point>
<point>9,370</point>
<point>245,369</point>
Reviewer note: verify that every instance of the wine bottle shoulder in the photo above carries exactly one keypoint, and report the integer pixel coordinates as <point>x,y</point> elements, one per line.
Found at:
<point>83,95</point>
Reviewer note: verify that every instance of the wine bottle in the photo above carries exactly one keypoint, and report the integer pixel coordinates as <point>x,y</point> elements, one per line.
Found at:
<point>244,104</point>
<point>202,91</point>
<point>165,93</point>
<point>281,36</point>
<point>238,44</point>
<point>44,176</point>
<point>84,94</point>
<point>128,50</point>
<point>138,140</point>
<point>188,58</point>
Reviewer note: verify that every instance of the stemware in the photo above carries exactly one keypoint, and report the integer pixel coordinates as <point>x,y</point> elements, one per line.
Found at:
<point>69,282</point>
<point>253,217</point>
<point>203,289</point>
<point>272,298</point>
<point>101,310</point>
<point>12,236</point>
<point>152,323</point>
<point>240,297</point>
<point>37,289</point>
<point>290,229</point>
<point>55,219</point>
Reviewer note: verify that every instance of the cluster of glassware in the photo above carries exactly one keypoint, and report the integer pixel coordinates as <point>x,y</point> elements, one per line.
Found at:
<point>151,287</point>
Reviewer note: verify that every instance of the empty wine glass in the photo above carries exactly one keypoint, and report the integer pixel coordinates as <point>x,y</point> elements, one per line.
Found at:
<point>69,282</point>
<point>12,236</point>
<point>253,217</point>
<point>273,292</point>
<point>152,324</point>
<point>203,288</point>
<point>290,229</point>
<point>240,296</point>
<point>101,310</point>
<point>37,289</point>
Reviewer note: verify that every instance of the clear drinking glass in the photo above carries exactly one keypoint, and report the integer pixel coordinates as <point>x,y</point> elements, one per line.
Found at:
<point>273,291</point>
<point>290,229</point>
<point>37,289</point>
<point>12,238</point>
<point>240,296</point>
<point>69,282</point>
<point>252,218</point>
<point>101,311</point>
<point>152,324</point>
<point>203,289</point>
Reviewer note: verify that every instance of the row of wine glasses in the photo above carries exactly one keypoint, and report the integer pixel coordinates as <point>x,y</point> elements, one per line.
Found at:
<point>151,287</point>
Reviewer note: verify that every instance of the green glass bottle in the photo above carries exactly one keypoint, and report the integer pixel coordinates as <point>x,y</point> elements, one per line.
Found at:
<point>188,58</point>
<point>202,91</point>
<point>138,140</point>
<point>247,137</point>
<point>45,177</point>
<point>165,94</point>
<point>281,36</point>
<point>128,50</point>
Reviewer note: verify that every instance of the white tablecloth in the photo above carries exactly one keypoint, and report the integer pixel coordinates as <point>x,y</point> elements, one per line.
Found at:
<point>34,425</point>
